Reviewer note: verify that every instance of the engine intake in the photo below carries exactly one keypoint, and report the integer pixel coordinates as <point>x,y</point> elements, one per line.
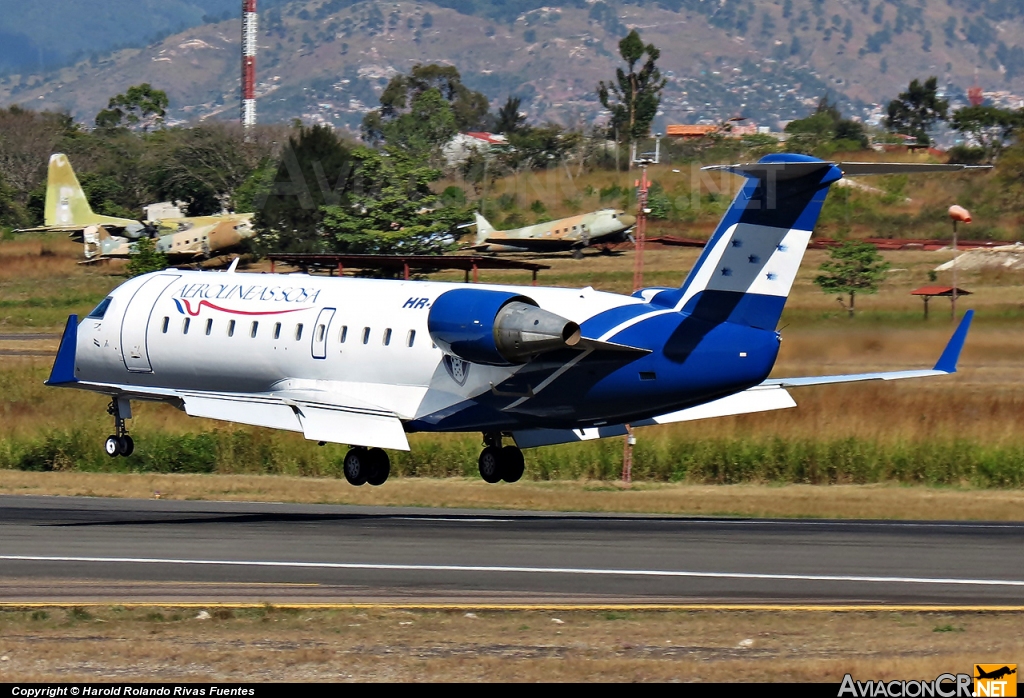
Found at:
<point>497,328</point>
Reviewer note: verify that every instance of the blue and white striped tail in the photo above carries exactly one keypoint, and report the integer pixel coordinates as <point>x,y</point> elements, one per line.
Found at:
<point>748,267</point>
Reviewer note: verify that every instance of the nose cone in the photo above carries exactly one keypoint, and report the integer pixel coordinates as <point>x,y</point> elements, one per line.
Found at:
<point>627,220</point>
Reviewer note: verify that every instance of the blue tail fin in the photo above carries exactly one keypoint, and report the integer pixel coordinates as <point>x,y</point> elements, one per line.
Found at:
<point>748,266</point>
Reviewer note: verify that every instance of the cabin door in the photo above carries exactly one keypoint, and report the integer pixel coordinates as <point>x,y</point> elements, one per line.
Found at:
<point>134,348</point>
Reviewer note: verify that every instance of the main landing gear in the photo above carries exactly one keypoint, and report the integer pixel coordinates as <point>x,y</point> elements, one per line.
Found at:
<point>364,465</point>
<point>119,443</point>
<point>500,463</point>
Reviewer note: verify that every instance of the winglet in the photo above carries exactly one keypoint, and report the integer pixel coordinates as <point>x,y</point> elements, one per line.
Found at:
<point>63,371</point>
<point>951,354</point>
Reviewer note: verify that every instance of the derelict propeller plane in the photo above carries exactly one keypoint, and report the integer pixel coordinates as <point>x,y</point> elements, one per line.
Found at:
<point>365,362</point>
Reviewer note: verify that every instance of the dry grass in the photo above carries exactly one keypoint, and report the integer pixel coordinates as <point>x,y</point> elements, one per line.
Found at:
<point>272,644</point>
<point>800,501</point>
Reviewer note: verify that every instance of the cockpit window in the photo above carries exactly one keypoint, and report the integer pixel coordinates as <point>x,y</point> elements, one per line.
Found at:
<point>100,310</point>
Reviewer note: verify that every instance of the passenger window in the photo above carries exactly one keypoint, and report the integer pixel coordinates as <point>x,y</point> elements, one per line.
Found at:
<point>321,330</point>
<point>166,322</point>
<point>387,337</point>
<point>277,330</point>
<point>252,330</point>
<point>231,329</point>
<point>209,326</point>
<point>185,324</point>
<point>366,335</point>
<point>100,310</point>
<point>298,332</point>
<point>344,333</point>
<point>412,337</point>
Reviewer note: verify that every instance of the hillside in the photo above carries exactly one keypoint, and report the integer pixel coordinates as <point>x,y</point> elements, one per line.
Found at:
<point>327,59</point>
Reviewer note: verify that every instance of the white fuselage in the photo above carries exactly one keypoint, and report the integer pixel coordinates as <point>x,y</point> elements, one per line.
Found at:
<point>362,341</point>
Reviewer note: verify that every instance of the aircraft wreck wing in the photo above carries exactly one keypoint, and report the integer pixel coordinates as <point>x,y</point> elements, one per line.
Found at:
<point>945,365</point>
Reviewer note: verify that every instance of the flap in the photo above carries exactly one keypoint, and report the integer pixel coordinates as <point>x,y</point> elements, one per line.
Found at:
<point>342,425</point>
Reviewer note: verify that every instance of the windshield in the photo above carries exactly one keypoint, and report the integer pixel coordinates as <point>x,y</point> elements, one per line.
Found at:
<point>100,310</point>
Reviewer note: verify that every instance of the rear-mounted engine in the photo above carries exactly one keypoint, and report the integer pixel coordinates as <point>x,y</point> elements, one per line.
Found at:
<point>497,328</point>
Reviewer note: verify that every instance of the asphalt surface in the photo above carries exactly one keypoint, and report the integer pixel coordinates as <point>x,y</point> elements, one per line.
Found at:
<point>122,550</point>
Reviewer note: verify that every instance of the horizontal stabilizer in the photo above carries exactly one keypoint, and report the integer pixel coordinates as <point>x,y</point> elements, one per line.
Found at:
<point>782,171</point>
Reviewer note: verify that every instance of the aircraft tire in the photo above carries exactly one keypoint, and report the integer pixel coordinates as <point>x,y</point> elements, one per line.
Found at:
<point>125,446</point>
<point>490,464</point>
<point>381,466</point>
<point>357,466</point>
<point>577,253</point>
<point>112,447</point>
<point>512,464</point>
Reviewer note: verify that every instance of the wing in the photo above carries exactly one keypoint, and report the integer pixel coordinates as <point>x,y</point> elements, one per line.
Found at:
<point>945,365</point>
<point>318,415</point>
<point>769,395</point>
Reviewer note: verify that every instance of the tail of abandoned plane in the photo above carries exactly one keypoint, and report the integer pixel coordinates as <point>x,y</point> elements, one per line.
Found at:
<point>483,228</point>
<point>66,203</point>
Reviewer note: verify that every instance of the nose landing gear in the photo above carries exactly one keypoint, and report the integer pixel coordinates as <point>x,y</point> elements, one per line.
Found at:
<point>119,443</point>
<point>500,463</point>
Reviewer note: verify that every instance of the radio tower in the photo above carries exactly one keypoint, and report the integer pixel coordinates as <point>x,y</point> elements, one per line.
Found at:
<point>249,32</point>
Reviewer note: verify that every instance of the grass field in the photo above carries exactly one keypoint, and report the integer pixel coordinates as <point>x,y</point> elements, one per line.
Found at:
<point>114,643</point>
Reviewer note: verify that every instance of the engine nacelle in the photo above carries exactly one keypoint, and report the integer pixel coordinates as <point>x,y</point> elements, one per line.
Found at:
<point>496,328</point>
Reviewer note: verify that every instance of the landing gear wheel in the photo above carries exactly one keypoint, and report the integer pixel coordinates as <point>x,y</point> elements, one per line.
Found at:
<point>490,464</point>
<point>380,466</point>
<point>112,446</point>
<point>577,253</point>
<point>357,466</point>
<point>125,446</point>
<point>512,464</point>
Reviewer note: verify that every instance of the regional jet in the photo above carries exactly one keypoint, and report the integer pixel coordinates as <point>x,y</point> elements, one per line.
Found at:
<point>182,239</point>
<point>365,362</point>
<point>566,234</point>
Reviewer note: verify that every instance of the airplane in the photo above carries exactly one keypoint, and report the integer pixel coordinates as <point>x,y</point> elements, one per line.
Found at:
<point>573,233</point>
<point>996,674</point>
<point>182,239</point>
<point>365,362</point>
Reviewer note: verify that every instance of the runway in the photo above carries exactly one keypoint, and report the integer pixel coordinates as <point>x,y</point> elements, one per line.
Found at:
<point>76,549</point>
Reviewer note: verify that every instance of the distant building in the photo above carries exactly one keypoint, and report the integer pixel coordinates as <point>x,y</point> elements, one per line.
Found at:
<point>690,131</point>
<point>463,145</point>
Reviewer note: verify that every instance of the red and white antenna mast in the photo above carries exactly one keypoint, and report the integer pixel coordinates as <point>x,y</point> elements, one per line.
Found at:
<point>249,32</point>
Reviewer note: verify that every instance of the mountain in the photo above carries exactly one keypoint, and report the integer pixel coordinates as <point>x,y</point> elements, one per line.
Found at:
<point>327,60</point>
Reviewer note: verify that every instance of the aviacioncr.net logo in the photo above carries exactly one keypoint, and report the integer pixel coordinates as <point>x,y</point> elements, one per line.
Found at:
<point>943,686</point>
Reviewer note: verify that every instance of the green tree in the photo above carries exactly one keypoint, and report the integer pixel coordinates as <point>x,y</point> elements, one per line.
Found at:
<point>145,258</point>
<point>916,111</point>
<point>635,94</point>
<point>826,131</point>
<point>990,128</point>
<point>139,104</point>
<point>314,170</point>
<point>469,108</point>
<point>853,267</point>
<point>391,209</point>
<point>510,119</point>
<point>428,125</point>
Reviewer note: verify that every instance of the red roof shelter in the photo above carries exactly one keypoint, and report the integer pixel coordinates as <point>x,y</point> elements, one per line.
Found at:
<point>929,292</point>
